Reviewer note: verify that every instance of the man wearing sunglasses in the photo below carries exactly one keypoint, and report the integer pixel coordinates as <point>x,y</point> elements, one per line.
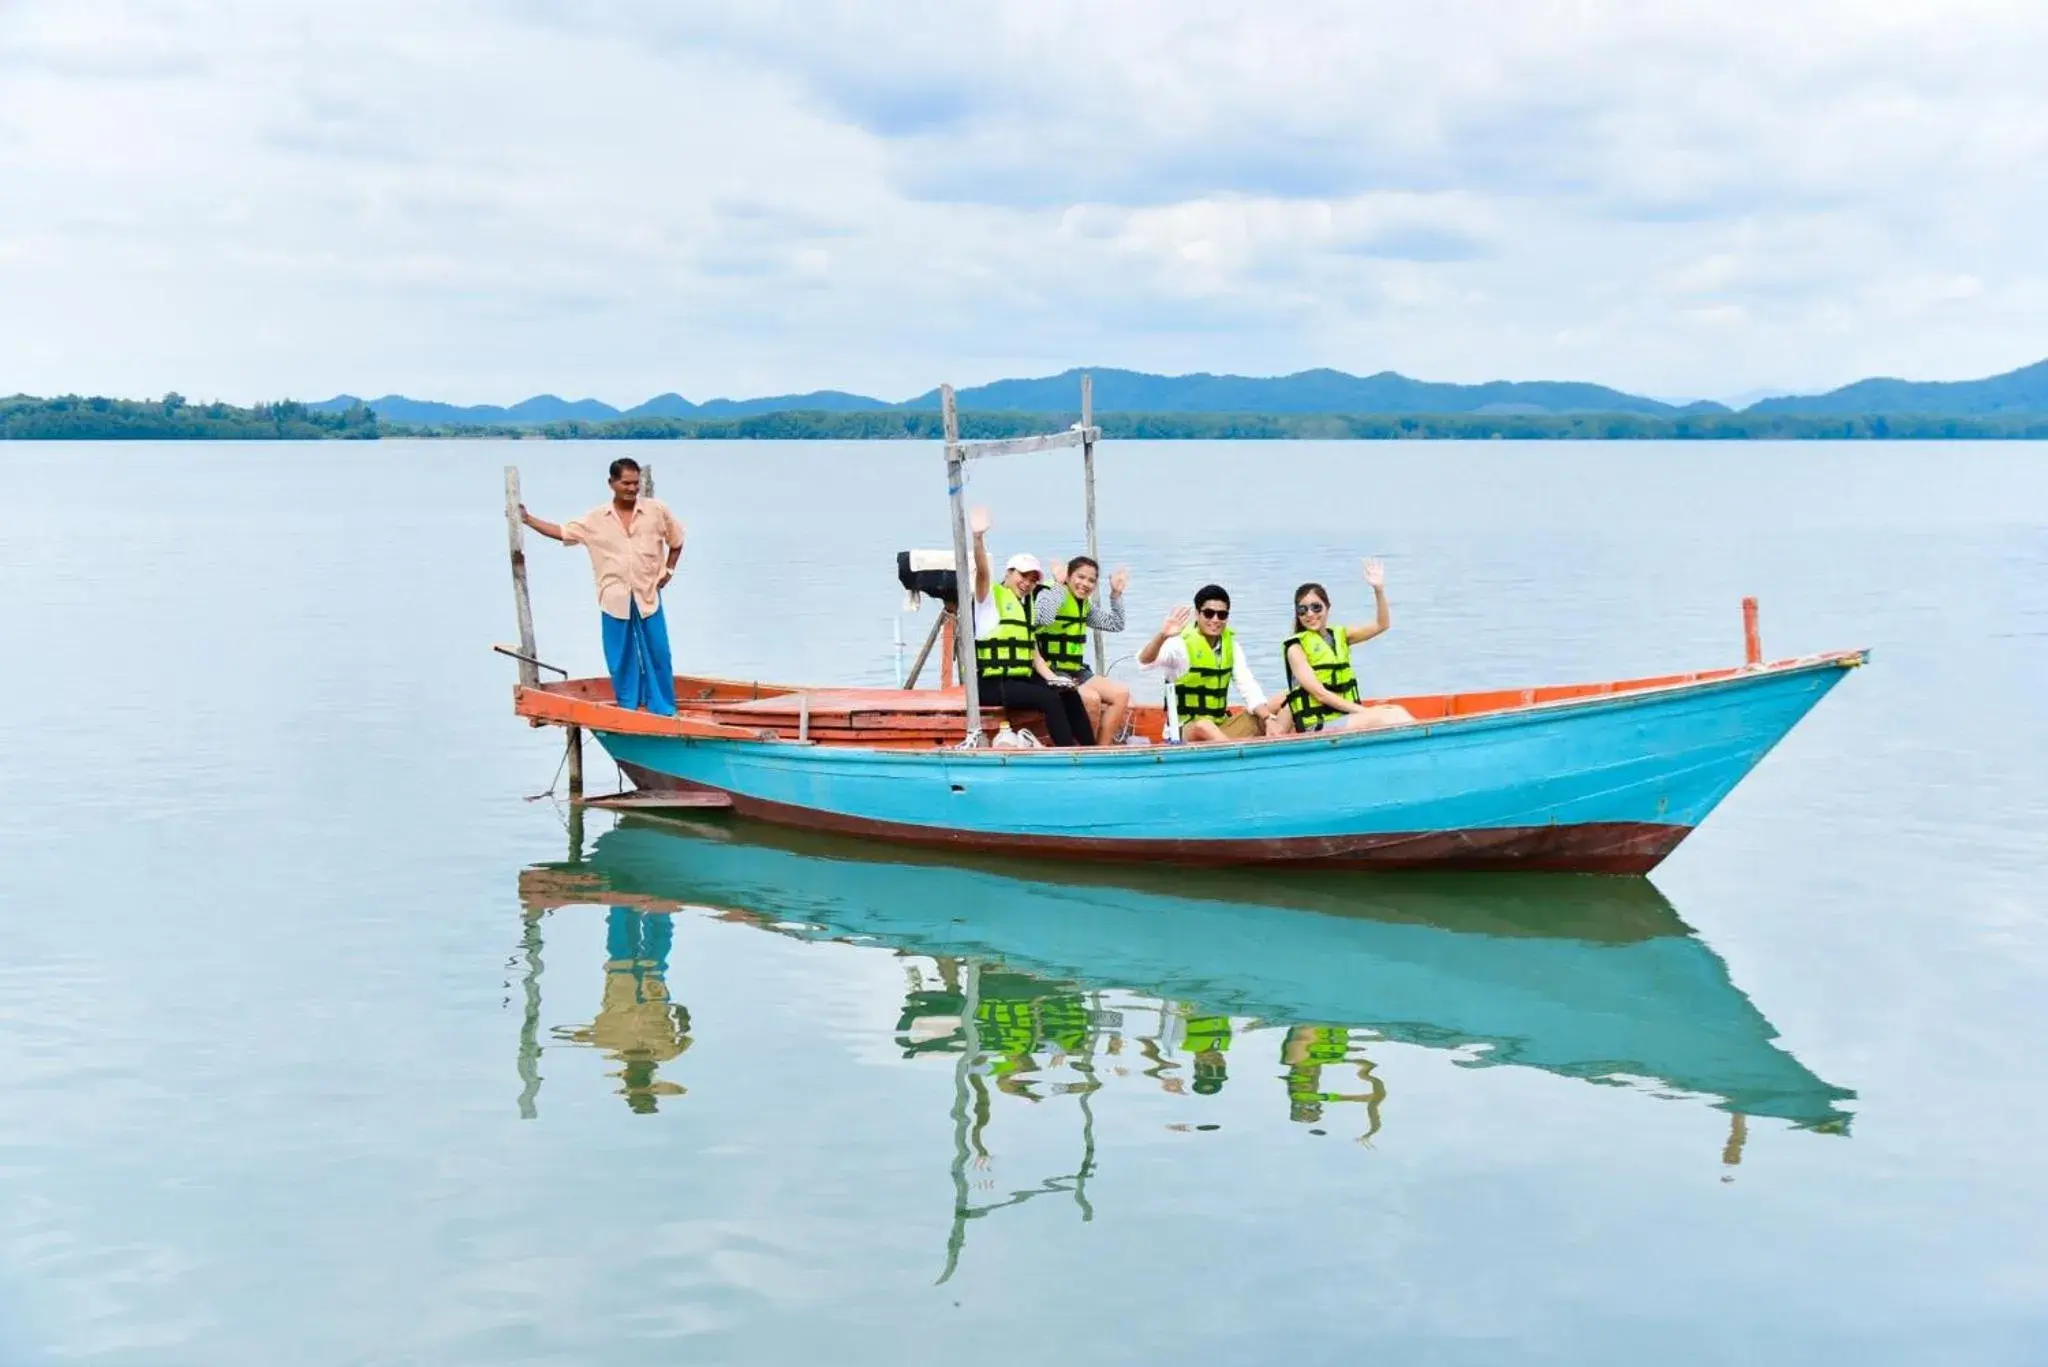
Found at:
<point>1201,661</point>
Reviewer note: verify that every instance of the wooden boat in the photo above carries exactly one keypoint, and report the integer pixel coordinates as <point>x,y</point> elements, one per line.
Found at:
<point>1590,978</point>
<point>1603,777</point>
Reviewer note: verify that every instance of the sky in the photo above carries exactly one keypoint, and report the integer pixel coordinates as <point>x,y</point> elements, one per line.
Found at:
<point>478,200</point>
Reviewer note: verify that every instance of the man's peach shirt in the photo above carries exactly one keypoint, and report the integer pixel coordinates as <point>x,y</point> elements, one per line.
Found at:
<point>628,565</point>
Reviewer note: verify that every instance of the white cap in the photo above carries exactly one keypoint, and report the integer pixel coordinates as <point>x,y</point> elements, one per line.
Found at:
<point>1024,563</point>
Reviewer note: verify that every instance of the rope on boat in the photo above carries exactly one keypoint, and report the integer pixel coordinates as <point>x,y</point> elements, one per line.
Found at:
<point>560,765</point>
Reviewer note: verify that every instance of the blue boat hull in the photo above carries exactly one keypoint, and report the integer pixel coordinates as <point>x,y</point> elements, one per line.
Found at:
<point>1603,784</point>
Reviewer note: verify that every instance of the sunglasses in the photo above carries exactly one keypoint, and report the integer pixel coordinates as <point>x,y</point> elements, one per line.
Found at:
<point>1216,614</point>
<point>1310,607</point>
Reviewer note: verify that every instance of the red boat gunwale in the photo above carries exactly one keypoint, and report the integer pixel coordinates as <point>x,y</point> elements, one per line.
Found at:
<point>932,719</point>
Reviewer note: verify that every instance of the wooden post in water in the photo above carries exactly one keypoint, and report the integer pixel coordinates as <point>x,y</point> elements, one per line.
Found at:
<point>1738,1134</point>
<point>1752,639</point>
<point>575,761</point>
<point>963,567</point>
<point>515,533</point>
<point>647,481</point>
<point>529,1023</point>
<point>1088,481</point>
<point>963,1072</point>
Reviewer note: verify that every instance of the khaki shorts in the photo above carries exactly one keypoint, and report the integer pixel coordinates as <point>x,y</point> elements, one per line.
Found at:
<point>1241,726</point>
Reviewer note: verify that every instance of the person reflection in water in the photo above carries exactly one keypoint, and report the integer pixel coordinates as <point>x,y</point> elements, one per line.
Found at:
<point>637,1025</point>
<point>1304,1053</point>
<point>1206,1039</point>
<point>1020,1017</point>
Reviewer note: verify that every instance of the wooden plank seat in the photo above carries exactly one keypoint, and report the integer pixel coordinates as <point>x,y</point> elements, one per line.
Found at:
<point>865,716</point>
<point>922,701</point>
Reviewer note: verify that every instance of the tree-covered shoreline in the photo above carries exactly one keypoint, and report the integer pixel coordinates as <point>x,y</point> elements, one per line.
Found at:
<point>71,417</point>
<point>172,418</point>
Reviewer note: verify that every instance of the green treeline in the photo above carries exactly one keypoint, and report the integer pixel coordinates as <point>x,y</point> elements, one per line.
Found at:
<point>171,418</point>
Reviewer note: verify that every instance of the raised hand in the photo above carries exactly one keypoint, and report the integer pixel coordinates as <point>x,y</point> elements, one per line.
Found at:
<point>1375,573</point>
<point>1119,581</point>
<point>1059,572</point>
<point>978,521</point>
<point>1177,621</point>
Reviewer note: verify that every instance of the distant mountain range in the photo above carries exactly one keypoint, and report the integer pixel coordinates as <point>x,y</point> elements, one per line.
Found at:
<point>2018,392</point>
<point>2022,391</point>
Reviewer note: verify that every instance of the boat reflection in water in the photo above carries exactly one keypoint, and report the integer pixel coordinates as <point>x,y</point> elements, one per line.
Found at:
<point>1038,982</point>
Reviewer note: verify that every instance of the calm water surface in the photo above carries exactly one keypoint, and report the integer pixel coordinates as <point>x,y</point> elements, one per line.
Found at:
<point>323,1044</point>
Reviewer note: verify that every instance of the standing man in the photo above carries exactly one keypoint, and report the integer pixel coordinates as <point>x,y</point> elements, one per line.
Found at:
<point>634,544</point>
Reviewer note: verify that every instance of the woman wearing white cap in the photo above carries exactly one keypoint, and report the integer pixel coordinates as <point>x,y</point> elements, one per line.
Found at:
<point>1012,674</point>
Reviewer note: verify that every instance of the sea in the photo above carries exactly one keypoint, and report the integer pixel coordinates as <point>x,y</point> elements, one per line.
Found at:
<point>330,1033</point>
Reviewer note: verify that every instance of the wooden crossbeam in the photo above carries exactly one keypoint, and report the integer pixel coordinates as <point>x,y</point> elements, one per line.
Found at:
<point>1019,446</point>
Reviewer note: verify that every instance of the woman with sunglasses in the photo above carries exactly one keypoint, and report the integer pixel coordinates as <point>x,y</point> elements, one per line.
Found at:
<point>1318,655</point>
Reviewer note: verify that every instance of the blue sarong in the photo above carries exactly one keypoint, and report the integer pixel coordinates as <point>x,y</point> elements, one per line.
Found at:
<point>636,653</point>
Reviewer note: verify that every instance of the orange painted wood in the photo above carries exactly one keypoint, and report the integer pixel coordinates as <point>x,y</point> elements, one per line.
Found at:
<point>922,719</point>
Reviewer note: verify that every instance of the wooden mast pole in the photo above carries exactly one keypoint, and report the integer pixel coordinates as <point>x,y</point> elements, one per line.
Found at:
<point>1088,482</point>
<point>515,533</point>
<point>529,672</point>
<point>963,568</point>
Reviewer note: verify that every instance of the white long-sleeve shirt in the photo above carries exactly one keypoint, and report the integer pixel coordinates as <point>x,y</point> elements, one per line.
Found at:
<point>1173,663</point>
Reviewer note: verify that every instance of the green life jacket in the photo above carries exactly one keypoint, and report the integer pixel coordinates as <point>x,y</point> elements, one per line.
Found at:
<point>1006,1027</point>
<point>1206,1034</point>
<point>1005,653</point>
<point>1063,1022</point>
<point>1204,691</point>
<point>1332,664</point>
<point>1064,643</point>
<point>1328,1043</point>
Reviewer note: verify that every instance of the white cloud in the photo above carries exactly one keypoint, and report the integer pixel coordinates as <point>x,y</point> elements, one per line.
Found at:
<point>476,201</point>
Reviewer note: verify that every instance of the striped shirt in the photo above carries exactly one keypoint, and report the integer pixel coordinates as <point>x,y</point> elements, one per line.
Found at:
<point>1045,608</point>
